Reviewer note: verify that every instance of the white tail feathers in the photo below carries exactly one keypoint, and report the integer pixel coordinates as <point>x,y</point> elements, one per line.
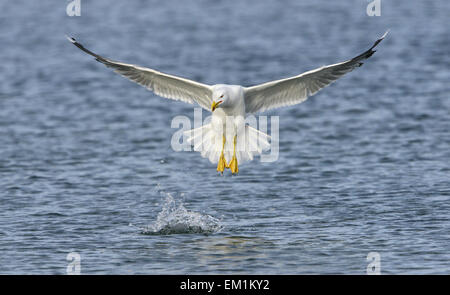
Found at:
<point>209,142</point>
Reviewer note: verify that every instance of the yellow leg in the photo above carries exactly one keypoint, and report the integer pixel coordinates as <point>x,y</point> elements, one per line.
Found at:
<point>233,165</point>
<point>222,163</point>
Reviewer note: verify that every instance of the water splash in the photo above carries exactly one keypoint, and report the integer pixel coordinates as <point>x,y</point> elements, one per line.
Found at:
<point>176,219</point>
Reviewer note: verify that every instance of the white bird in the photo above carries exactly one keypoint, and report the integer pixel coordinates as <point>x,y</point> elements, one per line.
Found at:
<point>227,141</point>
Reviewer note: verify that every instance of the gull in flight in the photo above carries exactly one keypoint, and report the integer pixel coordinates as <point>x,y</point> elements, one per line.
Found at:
<point>227,140</point>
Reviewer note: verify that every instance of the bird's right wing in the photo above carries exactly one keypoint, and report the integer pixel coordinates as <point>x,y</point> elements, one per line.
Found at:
<point>297,89</point>
<point>164,85</point>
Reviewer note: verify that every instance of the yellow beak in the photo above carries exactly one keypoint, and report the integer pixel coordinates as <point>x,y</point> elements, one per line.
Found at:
<point>215,105</point>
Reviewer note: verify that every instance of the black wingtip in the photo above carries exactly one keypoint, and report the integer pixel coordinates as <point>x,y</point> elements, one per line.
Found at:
<point>371,50</point>
<point>379,40</point>
<point>97,57</point>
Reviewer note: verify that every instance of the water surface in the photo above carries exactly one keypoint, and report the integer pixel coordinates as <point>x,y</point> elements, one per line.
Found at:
<point>86,164</point>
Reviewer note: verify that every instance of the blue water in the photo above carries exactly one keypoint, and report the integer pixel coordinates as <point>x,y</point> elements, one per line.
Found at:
<point>86,164</point>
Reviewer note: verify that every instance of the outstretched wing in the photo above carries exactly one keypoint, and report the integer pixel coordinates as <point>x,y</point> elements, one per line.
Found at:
<point>164,85</point>
<point>294,90</point>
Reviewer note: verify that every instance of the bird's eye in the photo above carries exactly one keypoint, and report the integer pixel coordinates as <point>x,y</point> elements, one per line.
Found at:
<point>221,96</point>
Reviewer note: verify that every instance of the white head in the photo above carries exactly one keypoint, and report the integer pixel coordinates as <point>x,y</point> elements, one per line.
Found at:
<point>221,98</point>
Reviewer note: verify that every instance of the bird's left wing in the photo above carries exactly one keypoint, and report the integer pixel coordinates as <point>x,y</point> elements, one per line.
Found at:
<point>297,89</point>
<point>162,84</point>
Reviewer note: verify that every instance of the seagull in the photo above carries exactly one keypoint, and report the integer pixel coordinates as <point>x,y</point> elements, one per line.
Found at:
<point>227,140</point>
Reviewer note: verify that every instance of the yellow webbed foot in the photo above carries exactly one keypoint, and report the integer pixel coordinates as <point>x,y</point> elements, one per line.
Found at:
<point>222,164</point>
<point>233,165</point>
